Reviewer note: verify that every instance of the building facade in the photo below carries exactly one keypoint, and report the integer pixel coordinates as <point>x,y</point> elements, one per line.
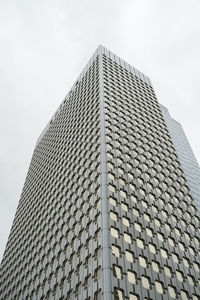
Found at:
<point>186,156</point>
<point>106,211</point>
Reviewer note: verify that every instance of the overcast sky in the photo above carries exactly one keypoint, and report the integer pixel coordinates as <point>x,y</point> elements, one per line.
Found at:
<point>44,45</point>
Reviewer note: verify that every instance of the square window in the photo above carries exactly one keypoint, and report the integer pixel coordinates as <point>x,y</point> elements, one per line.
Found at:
<point>115,250</point>
<point>114,232</point>
<point>143,261</point>
<point>172,292</point>
<point>127,238</point>
<point>131,277</point>
<point>155,266</point>
<point>119,295</point>
<point>159,287</point>
<point>113,216</point>
<point>145,282</point>
<point>126,221</point>
<point>117,272</point>
<point>129,256</point>
<point>133,297</point>
<point>140,243</point>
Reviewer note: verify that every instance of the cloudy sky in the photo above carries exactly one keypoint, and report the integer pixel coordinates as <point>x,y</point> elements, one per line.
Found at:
<point>44,45</point>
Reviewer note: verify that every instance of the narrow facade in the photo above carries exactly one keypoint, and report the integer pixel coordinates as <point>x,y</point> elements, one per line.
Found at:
<point>106,211</point>
<point>186,156</point>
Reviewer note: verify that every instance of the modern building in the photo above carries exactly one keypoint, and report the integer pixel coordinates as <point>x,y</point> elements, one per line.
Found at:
<point>186,156</point>
<point>106,211</point>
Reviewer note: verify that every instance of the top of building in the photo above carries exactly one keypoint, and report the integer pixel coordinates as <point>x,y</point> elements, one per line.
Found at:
<point>101,50</point>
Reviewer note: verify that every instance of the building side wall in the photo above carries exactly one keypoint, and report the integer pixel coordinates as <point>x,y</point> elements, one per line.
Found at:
<point>54,249</point>
<point>154,224</point>
<point>188,161</point>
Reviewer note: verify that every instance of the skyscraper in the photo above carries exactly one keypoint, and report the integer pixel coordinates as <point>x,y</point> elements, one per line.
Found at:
<point>106,211</point>
<point>186,156</point>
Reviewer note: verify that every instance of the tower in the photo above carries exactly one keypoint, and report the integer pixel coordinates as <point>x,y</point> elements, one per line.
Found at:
<point>106,211</point>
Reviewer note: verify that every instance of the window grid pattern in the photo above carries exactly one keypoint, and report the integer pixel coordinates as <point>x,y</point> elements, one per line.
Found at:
<point>150,205</point>
<point>54,248</point>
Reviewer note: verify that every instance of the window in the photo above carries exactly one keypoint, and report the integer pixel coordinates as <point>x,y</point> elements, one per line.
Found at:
<point>134,199</point>
<point>152,248</point>
<point>129,256</point>
<point>112,201</point>
<point>191,280</point>
<point>175,258</point>
<point>167,271</point>
<point>171,242</point>
<point>140,243</point>
<point>184,296</point>
<point>155,266</point>
<point>111,176</point>
<point>146,217</point>
<point>149,232</point>
<point>126,221</point>
<point>113,216</point>
<point>115,250</point>
<point>114,232</point>
<point>124,206</point>
<point>123,194</point>
<point>136,212</point>
<point>179,276</point>
<point>145,282</point>
<point>119,295</point>
<point>163,253</point>
<point>137,227</point>
<point>133,297</point>
<point>172,292</point>
<point>111,188</point>
<point>131,277</point>
<point>117,272</point>
<point>143,261</point>
<point>159,287</point>
<point>127,238</point>
<point>160,237</point>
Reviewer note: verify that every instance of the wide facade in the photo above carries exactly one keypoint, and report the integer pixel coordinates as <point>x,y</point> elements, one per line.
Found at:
<point>106,211</point>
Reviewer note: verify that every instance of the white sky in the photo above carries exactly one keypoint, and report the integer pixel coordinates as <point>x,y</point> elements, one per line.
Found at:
<point>44,45</point>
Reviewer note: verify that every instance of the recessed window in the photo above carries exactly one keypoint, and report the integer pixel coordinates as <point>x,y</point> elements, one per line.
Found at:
<point>155,266</point>
<point>126,221</point>
<point>111,176</point>
<point>127,238</point>
<point>175,258</point>
<point>185,262</point>
<point>145,282</point>
<point>130,176</point>
<point>115,251</point>
<point>191,250</point>
<point>196,267</point>
<point>114,232</point>
<point>136,212</point>
<point>131,277</point>
<point>117,272</point>
<point>163,253</point>
<point>132,187</point>
<point>137,227</point>
<point>111,188</point>
<point>181,246</point>
<point>112,201</point>
<point>119,295</point>
<point>140,243</point>
<point>152,248</point>
<point>113,216</point>
<point>172,292</point>
<point>144,204</point>
<point>191,280</point>
<point>184,296</point>
<point>124,206</point>
<point>160,237</point>
<point>142,192</point>
<point>133,297</point>
<point>167,271</point>
<point>146,217</point>
<point>159,287</point>
<point>167,227</point>
<point>123,194</point>
<point>129,256</point>
<point>134,199</point>
<point>143,261</point>
<point>157,222</point>
<point>171,242</point>
<point>121,181</point>
<point>179,276</point>
<point>149,232</point>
